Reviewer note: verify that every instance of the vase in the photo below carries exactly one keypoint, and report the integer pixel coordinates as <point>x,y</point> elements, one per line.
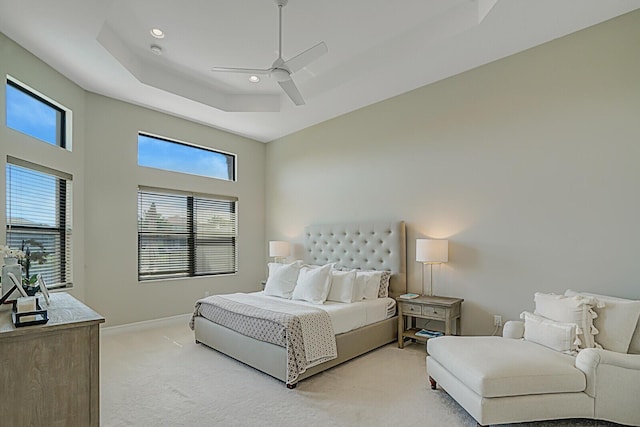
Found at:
<point>10,260</point>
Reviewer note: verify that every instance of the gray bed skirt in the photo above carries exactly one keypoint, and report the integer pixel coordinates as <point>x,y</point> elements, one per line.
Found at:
<point>272,359</point>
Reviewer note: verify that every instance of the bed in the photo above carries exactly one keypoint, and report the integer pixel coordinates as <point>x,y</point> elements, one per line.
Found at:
<point>369,246</point>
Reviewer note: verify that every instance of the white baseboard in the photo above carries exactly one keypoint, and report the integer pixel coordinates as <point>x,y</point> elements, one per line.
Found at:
<point>145,324</point>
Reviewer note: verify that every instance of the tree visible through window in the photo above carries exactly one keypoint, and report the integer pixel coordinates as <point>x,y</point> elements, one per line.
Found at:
<point>184,235</point>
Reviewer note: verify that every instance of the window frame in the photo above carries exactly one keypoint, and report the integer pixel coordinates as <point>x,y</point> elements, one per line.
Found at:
<point>191,235</point>
<point>63,128</point>
<point>232,156</point>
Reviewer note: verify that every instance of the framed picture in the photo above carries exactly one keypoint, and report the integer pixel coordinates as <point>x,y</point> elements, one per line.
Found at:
<point>17,284</point>
<point>43,288</point>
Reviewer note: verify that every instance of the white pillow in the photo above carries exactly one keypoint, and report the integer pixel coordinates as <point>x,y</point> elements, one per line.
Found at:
<point>358,287</point>
<point>313,284</point>
<point>282,279</point>
<point>569,309</point>
<point>557,336</point>
<point>369,281</point>
<point>342,286</point>
<point>617,320</point>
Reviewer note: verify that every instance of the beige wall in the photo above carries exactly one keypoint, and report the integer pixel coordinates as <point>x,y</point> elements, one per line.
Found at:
<point>20,64</point>
<point>112,180</point>
<point>530,166</point>
<point>105,179</point>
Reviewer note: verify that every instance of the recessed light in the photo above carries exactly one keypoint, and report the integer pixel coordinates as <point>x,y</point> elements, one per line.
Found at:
<point>156,49</point>
<point>254,79</point>
<point>157,33</point>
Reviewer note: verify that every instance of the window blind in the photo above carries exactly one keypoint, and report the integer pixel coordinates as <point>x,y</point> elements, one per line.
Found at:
<point>184,235</point>
<point>39,219</point>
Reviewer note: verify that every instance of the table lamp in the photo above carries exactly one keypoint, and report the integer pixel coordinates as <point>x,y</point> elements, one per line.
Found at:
<point>279,250</point>
<point>429,251</point>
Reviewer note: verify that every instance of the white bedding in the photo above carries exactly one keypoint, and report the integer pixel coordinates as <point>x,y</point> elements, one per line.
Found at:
<point>347,317</point>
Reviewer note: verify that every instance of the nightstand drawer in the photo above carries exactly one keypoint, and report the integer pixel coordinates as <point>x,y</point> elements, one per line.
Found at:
<point>411,308</point>
<point>434,312</point>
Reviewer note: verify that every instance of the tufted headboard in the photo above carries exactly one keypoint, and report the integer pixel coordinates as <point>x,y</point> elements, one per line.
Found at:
<point>367,246</point>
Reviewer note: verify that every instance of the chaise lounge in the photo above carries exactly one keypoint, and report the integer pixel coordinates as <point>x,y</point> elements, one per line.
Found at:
<point>585,364</point>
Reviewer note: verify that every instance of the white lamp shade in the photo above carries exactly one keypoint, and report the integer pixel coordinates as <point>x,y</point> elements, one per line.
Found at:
<point>428,250</point>
<point>278,248</point>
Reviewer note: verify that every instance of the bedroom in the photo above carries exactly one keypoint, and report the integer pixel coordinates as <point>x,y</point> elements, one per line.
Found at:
<point>528,165</point>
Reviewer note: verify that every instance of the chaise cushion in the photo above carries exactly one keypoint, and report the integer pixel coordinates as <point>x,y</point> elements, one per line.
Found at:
<point>496,366</point>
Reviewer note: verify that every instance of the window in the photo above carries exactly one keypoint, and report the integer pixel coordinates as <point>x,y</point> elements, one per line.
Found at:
<point>39,219</point>
<point>185,235</point>
<point>32,114</point>
<point>160,153</point>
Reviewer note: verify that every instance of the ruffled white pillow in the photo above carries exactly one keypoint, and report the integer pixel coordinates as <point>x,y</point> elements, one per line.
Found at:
<point>574,309</point>
<point>617,320</point>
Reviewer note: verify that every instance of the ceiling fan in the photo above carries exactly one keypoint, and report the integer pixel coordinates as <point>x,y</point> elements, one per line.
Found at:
<point>281,70</point>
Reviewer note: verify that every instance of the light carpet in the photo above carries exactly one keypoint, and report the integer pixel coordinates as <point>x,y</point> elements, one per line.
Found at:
<point>159,376</point>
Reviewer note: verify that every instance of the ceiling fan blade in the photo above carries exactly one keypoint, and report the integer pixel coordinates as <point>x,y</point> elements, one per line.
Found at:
<point>241,70</point>
<point>305,58</point>
<point>292,91</point>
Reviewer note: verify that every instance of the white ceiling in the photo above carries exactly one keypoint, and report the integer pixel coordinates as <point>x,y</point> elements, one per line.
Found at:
<point>377,49</point>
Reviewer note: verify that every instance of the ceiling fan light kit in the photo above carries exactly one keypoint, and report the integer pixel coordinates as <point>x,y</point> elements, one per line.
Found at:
<point>281,70</point>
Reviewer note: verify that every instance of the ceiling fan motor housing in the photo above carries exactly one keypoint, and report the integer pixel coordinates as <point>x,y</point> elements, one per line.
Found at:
<point>280,74</point>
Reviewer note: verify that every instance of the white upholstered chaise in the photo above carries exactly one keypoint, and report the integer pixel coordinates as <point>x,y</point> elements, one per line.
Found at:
<point>507,379</point>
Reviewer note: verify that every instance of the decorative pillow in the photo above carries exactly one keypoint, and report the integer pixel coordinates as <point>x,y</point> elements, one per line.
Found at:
<point>617,321</point>
<point>558,336</point>
<point>282,279</point>
<point>371,280</point>
<point>358,287</point>
<point>569,309</point>
<point>342,286</point>
<point>384,284</point>
<point>313,284</point>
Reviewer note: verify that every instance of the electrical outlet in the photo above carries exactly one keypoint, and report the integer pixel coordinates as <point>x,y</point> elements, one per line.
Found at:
<point>497,320</point>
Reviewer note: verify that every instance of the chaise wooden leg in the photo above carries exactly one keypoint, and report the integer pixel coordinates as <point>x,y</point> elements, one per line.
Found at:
<point>433,383</point>
<point>292,386</point>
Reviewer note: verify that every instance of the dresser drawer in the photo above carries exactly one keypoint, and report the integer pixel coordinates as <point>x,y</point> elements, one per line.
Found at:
<point>434,312</point>
<point>411,308</point>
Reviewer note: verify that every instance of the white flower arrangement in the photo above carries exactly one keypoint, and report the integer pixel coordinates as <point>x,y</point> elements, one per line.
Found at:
<point>7,252</point>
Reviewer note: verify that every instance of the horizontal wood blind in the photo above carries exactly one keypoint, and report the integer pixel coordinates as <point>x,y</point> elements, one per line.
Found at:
<point>182,235</point>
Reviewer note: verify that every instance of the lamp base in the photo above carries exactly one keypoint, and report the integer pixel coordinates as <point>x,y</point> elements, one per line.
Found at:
<point>430,293</point>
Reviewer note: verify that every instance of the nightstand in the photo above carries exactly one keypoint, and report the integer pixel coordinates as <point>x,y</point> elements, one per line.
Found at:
<point>445,309</point>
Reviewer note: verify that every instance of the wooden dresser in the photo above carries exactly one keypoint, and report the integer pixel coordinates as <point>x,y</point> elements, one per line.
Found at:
<point>49,374</point>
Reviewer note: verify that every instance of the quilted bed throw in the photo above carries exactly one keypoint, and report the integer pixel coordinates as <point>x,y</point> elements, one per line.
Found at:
<point>305,332</point>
